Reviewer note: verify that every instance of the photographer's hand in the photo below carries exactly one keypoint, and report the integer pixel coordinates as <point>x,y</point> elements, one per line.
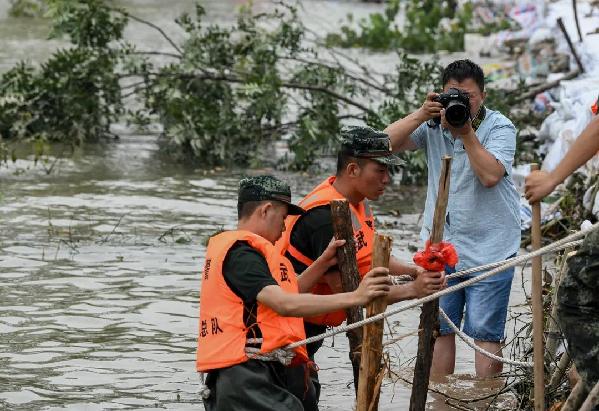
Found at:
<point>399,131</point>
<point>430,108</point>
<point>457,132</point>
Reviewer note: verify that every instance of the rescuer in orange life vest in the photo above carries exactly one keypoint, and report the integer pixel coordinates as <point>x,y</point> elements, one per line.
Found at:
<point>363,173</point>
<point>251,302</point>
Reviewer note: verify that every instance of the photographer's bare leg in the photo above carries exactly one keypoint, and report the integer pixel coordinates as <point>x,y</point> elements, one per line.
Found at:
<point>444,355</point>
<point>485,366</point>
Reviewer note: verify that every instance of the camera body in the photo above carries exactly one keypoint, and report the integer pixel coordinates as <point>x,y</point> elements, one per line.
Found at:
<point>457,107</point>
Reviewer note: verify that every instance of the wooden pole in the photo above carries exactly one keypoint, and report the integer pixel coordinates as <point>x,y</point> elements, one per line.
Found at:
<point>537,308</point>
<point>546,86</point>
<point>350,277</point>
<point>576,20</point>
<point>560,370</point>
<point>372,344</point>
<point>429,319</point>
<point>592,399</point>
<point>576,397</point>
<point>560,23</point>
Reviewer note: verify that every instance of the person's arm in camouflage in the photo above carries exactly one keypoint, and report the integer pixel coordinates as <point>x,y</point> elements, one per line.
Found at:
<point>541,183</point>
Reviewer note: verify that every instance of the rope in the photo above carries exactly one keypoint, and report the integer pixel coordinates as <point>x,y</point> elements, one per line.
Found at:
<point>475,347</point>
<point>280,354</point>
<point>563,243</point>
<point>284,354</point>
<point>404,279</point>
<point>498,263</point>
<point>204,390</point>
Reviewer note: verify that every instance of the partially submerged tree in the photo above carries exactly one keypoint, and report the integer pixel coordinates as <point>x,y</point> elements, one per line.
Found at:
<point>226,94</point>
<point>430,26</point>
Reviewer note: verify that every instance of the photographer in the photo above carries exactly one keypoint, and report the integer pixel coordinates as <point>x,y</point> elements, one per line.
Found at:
<point>483,220</point>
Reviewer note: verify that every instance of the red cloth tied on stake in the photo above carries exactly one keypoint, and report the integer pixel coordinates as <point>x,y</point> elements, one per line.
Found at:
<point>436,256</point>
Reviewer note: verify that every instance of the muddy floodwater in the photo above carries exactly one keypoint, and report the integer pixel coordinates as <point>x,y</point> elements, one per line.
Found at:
<point>100,262</point>
<point>99,281</point>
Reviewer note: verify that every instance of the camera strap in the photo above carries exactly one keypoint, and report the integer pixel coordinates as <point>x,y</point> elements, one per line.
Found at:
<point>480,116</point>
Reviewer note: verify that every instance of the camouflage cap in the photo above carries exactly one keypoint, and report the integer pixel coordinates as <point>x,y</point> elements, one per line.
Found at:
<point>366,142</point>
<point>262,188</point>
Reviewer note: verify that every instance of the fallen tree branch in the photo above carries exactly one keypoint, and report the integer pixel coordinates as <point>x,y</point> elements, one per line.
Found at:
<point>546,86</point>
<point>150,24</point>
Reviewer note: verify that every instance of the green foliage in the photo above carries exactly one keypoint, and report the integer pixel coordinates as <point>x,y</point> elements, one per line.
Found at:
<point>430,26</point>
<point>75,95</point>
<point>27,8</point>
<point>87,23</point>
<point>412,81</point>
<point>496,26</point>
<point>225,97</point>
<point>3,152</point>
<point>229,96</point>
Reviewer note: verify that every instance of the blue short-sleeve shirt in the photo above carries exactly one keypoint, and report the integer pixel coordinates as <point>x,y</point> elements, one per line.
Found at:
<point>482,223</point>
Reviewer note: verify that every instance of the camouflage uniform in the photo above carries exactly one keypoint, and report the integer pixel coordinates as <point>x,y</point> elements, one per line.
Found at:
<point>578,314</point>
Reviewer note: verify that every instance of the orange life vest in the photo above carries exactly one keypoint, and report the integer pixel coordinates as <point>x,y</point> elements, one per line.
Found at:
<point>222,332</point>
<point>363,225</point>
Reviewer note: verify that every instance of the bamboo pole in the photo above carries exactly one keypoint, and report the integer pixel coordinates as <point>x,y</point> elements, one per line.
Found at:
<point>576,397</point>
<point>592,399</point>
<point>574,6</point>
<point>429,319</point>
<point>559,372</point>
<point>546,86</point>
<point>560,23</point>
<point>372,344</point>
<point>350,277</point>
<point>537,308</point>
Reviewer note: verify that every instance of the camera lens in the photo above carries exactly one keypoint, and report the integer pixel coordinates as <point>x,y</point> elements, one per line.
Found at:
<point>457,113</point>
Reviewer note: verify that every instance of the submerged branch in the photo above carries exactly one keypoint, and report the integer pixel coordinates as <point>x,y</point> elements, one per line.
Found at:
<point>149,24</point>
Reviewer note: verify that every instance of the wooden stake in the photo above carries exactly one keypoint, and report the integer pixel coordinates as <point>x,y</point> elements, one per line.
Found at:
<point>560,23</point>
<point>372,344</point>
<point>592,399</point>
<point>350,277</point>
<point>537,308</point>
<point>576,20</point>
<point>576,397</point>
<point>429,319</point>
<point>560,370</point>
<point>546,86</point>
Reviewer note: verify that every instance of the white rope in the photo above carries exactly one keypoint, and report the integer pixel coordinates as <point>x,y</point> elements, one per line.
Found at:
<point>204,390</point>
<point>498,263</point>
<point>281,355</point>
<point>475,347</point>
<point>404,279</point>
<point>512,263</point>
<point>284,354</point>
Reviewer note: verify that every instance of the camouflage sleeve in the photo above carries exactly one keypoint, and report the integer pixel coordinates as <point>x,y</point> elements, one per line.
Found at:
<point>578,299</point>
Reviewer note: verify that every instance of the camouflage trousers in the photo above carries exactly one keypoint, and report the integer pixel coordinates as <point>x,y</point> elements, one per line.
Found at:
<point>578,314</point>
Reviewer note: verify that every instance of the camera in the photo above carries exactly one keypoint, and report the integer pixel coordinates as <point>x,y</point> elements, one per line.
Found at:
<point>457,107</point>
